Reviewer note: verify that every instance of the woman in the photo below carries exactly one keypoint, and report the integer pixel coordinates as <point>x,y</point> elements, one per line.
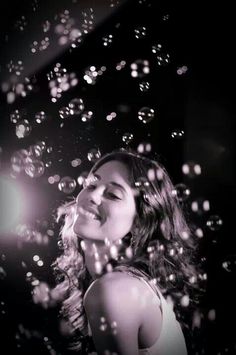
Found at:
<point>127,250</point>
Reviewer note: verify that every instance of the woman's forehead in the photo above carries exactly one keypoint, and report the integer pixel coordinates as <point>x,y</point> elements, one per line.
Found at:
<point>112,170</point>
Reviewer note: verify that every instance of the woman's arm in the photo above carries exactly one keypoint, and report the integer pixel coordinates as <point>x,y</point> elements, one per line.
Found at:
<point>113,309</point>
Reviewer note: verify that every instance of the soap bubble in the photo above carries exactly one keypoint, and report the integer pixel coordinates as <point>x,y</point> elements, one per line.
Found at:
<point>94,154</point>
<point>64,112</point>
<point>229,263</point>
<point>144,148</point>
<point>144,86</point>
<point>214,222</point>
<point>23,129</point>
<point>127,137</point>
<point>15,116</point>
<point>162,57</point>
<point>181,191</point>
<point>140,68</point>
<point>35,151</point>
<point>76,106</point>
<point>177,134</point>
<point>35,169</point>
<point>67,185</point>
<point>200,205</point>
<point>140,32</point>
<point>86,116</point>
<point>191,169</point>
<point>146,114</point>
<point>40,116</point>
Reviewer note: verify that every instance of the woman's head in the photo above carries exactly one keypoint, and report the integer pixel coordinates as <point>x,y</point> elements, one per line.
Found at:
<point>105,208</point>
<point>129,194</point>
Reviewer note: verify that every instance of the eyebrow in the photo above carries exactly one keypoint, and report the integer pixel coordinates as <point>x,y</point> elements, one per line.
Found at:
<point>111,183</point>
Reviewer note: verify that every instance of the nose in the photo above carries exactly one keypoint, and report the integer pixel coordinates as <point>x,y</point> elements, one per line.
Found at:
<point>95,196</point>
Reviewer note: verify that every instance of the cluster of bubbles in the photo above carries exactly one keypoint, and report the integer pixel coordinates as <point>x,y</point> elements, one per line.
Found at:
<point>88,20</point>
<point>15,68</point>
<point>162,57</point>
<point>15,87</point>
<point>92,74</point>
<point>66,30</point>
<point>21,23</point>
<point>120,65</point>
<point>29,160</point>
<point>60,81</point>
<point>24,335</point>
<point>40,46</point>
<point>29,235</point>
<point>23,126</point>
<point>75,108</point>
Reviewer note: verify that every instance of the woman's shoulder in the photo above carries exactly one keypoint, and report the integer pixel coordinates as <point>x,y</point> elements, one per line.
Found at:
<point>115,288</point>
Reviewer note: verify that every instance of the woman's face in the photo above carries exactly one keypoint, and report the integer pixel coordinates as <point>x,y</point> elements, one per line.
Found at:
<point>105,207</point>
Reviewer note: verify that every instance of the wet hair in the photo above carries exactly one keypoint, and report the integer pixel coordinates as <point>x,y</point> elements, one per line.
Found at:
<point>161,245</point>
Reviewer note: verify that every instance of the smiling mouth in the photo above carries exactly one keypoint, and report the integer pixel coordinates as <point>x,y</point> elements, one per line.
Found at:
<point>88,214</point>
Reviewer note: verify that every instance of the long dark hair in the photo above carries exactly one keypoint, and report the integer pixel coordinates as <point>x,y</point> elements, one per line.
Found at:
<point>161,246</point>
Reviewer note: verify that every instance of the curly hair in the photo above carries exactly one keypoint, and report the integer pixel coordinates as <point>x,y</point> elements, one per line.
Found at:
<point>161,247</point>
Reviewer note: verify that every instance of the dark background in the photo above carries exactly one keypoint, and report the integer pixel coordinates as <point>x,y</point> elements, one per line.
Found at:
<point>200,102</point>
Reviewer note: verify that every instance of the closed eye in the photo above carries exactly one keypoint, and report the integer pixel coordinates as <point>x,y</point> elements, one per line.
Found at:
<point>113,196</point>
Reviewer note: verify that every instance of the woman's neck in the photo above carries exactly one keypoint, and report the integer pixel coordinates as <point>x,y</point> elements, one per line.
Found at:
<point>96,255</point>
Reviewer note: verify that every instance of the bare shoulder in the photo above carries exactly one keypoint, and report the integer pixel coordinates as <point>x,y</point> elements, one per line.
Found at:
<point>115,295</point>
<point>115,285</point>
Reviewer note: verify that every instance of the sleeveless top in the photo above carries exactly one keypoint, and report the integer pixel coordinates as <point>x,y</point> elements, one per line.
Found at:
<point>171,339</point>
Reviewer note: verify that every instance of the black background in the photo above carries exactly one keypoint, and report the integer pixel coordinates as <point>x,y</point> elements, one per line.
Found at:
<point>200,102</point>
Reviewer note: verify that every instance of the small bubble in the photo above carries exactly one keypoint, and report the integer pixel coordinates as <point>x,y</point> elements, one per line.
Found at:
<point>40,117</point>
<point>229,264</point>
<point>87,116</point>
<point>64,112</point>
<point>214,223</point>
<point>144,86</point>
<point>140,32</point>
<point>67,185</point>
<point>94,154</point>
<point>181,191</point>
<point>146,114</point>
<point>177,134</point>
<point>127,138</point>
<point>140,68</point>
<point>3,273</point>
<point>76,106</point>
<point>35,169</point>
<point>184,301</point>
<point>107,40</point>
<point>15,116</point>
<point>212,314</point>
<point>191,169</point>
<point>163,58</point>
<point>182,70</point>
<point>144,148</point>
<point>23,129</point>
